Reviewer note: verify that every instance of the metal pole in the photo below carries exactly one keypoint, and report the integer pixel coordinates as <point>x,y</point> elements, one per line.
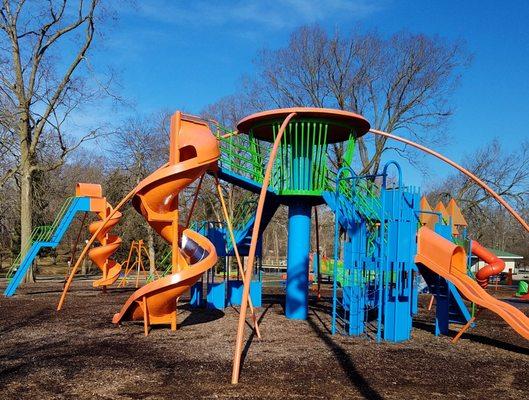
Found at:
<point>253,247</point>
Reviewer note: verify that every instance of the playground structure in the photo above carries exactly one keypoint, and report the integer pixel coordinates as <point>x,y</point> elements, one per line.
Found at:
<point>88,198</point>
<point>386,237</point>
<point>193,150</point>
<point>134,262</point>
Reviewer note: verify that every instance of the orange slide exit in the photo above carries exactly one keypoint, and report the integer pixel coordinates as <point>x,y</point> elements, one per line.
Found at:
<point>450,261</point>
<point>494,265</point>
<point>194,150</point>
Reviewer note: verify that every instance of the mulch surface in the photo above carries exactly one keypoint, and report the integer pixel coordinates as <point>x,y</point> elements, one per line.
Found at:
<point>79,354</point>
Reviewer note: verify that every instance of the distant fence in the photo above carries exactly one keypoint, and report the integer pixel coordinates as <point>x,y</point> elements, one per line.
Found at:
<point>274,264</point>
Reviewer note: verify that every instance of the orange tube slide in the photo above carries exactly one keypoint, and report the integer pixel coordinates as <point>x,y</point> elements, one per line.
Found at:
<point>450,261</point>
<point>193,150</point>
<point>109,243</point>
<point>494,265</point>
<point>155,303</point>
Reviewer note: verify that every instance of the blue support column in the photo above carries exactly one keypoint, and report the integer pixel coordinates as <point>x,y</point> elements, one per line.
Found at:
<point>297,290</point>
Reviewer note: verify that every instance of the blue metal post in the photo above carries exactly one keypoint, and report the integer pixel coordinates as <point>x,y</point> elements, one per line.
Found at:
<point>336,254</point>
<point>298,261</point>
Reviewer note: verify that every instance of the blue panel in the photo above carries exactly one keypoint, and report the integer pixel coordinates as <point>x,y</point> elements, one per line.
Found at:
<point>348,255</point>
<point>354,303</point>
<point>296,306</point>
<point>217,236</point>
<point>256,293</point>
<point>196,295</point>
<point>235,289</point>
<point>216,295</point>
<point>397,321</point>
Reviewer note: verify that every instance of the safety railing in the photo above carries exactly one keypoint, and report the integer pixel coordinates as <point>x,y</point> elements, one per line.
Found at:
<point>301,165</point>
<point>364,195</point>
<point>43,233</point>
<point>244,213</point>
<point>302,157</point>
<point>243,156</point>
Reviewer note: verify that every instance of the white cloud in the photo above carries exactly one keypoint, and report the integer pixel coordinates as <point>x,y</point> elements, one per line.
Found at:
<point>270,15</point>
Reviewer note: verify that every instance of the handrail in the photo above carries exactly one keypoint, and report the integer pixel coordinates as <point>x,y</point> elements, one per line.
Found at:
<point>42,233</point>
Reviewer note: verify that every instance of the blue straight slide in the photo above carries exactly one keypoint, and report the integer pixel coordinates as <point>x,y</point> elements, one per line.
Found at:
<point>50,237</point>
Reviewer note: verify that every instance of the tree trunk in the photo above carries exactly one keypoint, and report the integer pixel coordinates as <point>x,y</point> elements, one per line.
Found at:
<point>150,246</point>
<point>83,267</point>
<point>26,201</point>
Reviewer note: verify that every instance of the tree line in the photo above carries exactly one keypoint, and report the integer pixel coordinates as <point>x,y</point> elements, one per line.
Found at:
<point>401,83</point>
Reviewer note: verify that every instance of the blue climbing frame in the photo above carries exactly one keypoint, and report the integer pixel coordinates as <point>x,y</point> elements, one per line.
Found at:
<point>374,236</point>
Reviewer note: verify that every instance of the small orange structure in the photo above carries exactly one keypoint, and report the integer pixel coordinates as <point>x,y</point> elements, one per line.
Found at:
<point>427,217</point>
<point>109,243</point>
<point>457,218</point>
<point>441,209</point>
<point>138,250</point>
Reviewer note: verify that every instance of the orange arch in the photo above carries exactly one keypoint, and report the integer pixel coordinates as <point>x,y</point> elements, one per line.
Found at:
<point>251,256</point>
<point>460,168</point>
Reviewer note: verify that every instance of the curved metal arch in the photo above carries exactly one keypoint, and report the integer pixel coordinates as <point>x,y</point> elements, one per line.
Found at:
<point>460,168</point>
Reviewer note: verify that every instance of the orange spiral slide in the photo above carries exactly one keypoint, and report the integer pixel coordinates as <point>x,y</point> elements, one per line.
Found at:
<point>450,261</point>
<point>193,150</point>
<point>109,243</point>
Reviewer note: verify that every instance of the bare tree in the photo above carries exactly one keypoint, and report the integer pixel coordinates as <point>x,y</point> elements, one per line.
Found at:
<point>43,45</point>
<point>224,115</point>
<point>141,147</point>
<point>402,82</point>
<point>505,172</point>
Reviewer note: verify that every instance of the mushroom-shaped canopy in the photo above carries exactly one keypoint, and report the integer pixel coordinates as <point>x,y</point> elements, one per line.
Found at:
<point>340,123</point>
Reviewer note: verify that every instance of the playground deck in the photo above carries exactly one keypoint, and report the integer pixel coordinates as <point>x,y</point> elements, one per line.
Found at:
<point>78,353</point>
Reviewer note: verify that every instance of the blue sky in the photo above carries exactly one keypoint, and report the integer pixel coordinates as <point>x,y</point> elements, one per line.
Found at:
<point>186,54</point>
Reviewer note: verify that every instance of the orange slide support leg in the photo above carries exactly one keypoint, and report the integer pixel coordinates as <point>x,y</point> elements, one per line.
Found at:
<point>251,256</point>
<point>430,304</point>
<point>466,327</point>
<point>237,255</point>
